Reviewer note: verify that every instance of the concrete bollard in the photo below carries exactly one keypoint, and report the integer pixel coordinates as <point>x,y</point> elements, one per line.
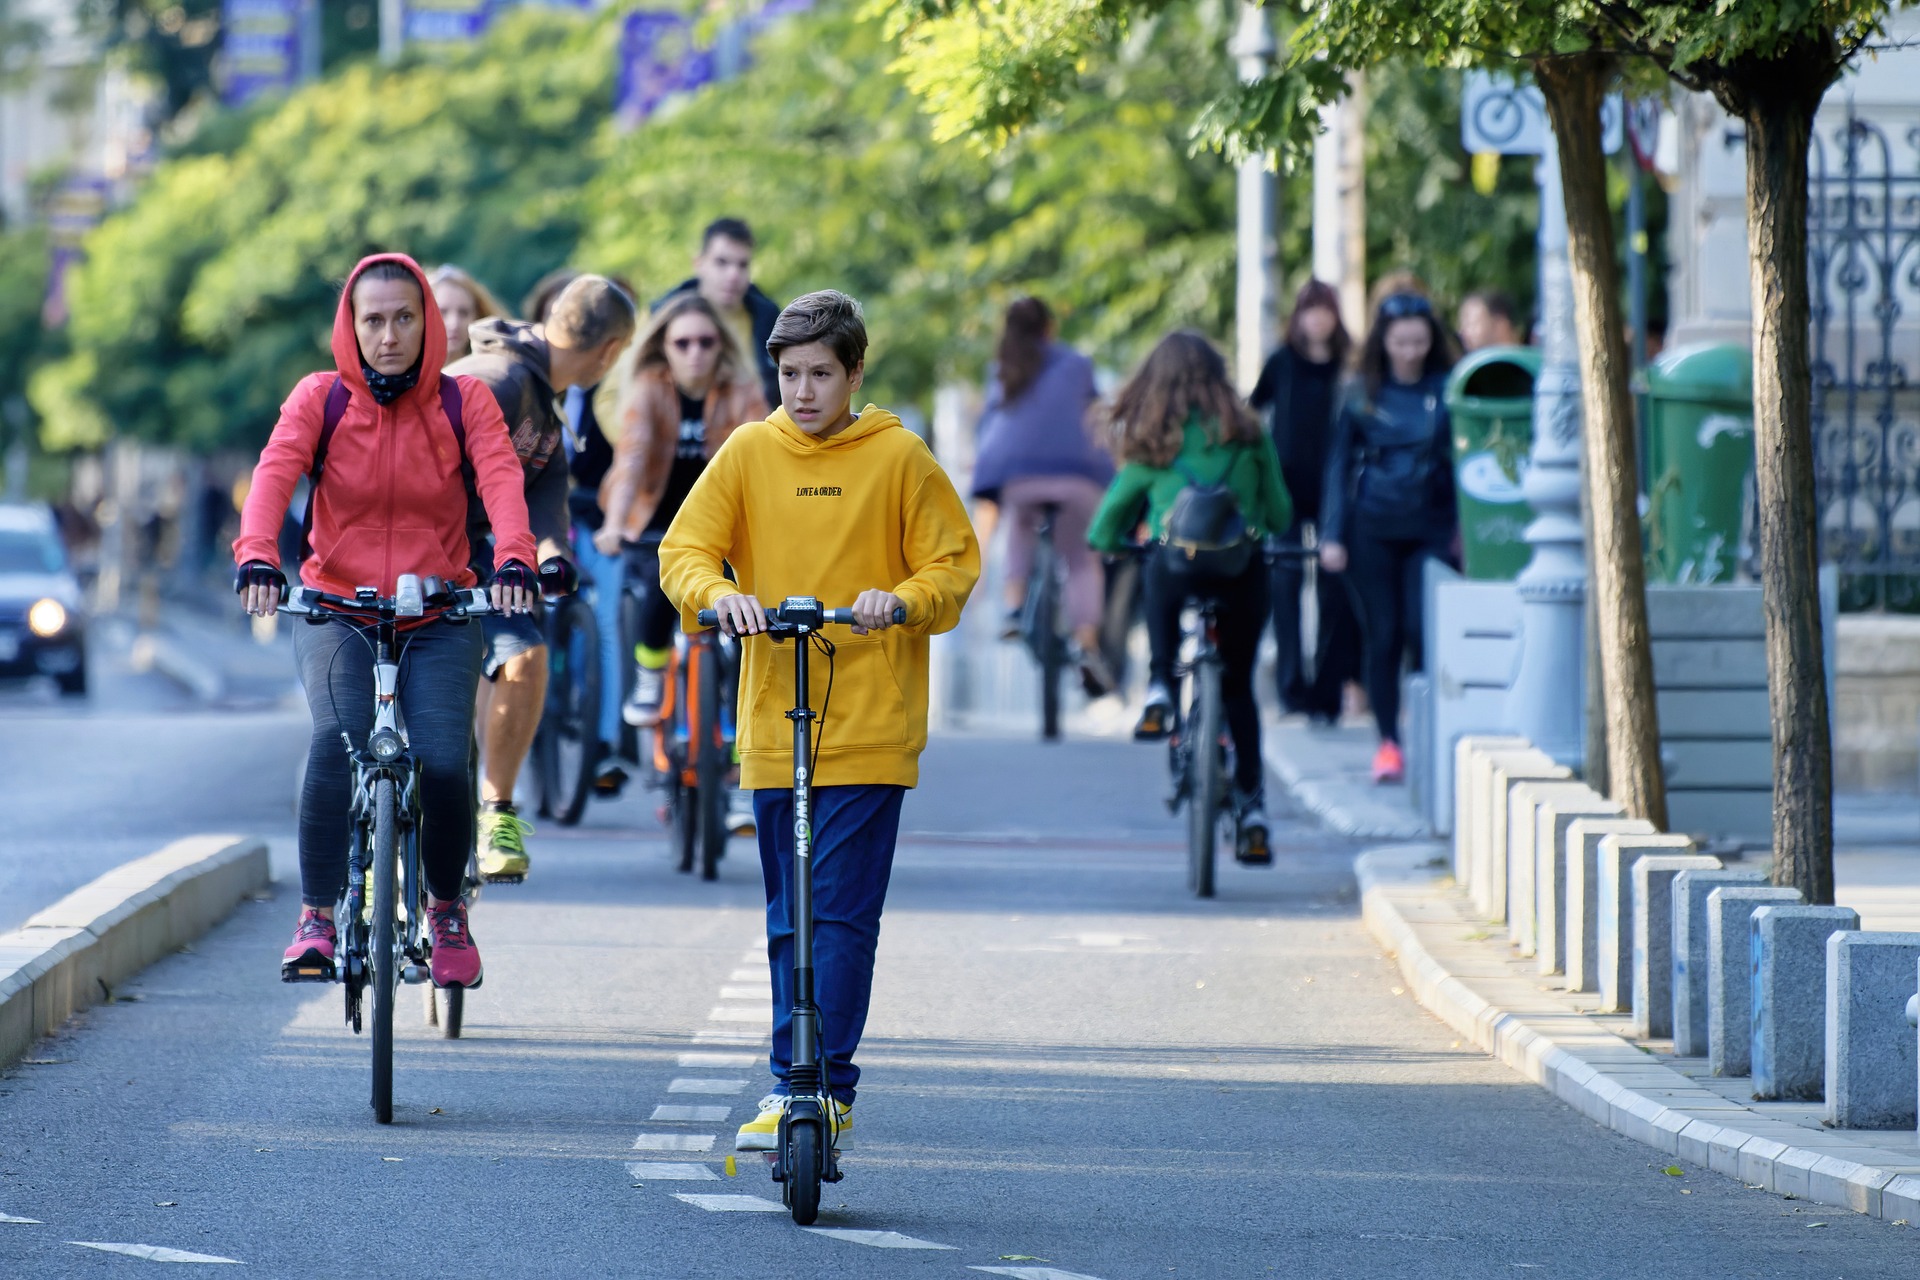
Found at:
<point>1468,752</point>
<point>1583,894</point>
<point>1523,824</point>
<point>1554,859</point>
<point>1788,1045</point>
<point>1730,974</point>
<point>1503,771</point>
<point>1653,877</point>
<point>1871,1052</point>
<point>1615,914</point>
<point>1690,954</point>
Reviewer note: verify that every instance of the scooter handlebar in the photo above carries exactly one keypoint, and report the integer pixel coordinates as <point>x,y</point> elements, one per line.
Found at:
<point>833,617</point>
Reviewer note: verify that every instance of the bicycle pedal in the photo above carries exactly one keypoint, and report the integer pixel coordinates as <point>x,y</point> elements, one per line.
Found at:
<point>415,974</point>
<point>307,971</point>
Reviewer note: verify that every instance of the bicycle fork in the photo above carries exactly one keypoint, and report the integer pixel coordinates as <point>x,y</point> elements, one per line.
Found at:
<point>807,1083</point>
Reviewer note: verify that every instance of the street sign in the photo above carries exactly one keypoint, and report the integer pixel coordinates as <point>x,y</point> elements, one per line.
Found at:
<point>1509,117</point>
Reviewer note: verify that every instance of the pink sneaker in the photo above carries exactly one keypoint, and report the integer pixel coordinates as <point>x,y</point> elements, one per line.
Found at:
<point>1388,764</point>
<point>310,958</point>
<point>456,960</point>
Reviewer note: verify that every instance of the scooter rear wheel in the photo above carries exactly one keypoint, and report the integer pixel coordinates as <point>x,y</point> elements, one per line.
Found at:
<point>802,1187</point>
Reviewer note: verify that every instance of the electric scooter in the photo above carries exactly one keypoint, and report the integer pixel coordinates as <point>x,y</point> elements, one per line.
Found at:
<point>804,1156</point>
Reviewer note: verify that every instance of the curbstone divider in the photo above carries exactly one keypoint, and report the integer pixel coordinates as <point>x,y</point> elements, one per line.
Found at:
<point>71,955</point>
<point>1583,894</point>
<point>1614,918</point>
<point>1730,974</point>
<point>1604,1077</point>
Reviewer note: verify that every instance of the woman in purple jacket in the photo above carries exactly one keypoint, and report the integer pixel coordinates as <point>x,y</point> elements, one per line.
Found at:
<point>1036,450</point>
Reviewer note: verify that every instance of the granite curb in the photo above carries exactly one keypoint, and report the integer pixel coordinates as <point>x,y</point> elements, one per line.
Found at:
<point>1604,1076</point>
<point>72,955</point>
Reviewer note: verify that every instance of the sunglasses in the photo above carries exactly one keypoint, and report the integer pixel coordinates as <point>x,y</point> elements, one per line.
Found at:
<point>705,343</point>
<point>1400,306</point>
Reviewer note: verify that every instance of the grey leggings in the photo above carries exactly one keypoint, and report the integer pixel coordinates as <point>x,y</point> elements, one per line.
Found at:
<point>439,670</point>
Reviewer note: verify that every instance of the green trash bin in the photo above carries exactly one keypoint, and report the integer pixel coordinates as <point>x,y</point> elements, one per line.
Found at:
<point>1699,442</point>
<point>1490,399</point>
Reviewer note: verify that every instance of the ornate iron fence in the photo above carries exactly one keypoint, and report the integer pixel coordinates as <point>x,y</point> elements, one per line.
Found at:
<point>1864,268</point>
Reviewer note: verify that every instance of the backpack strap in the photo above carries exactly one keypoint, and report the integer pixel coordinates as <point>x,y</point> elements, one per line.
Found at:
<point>337,396</point>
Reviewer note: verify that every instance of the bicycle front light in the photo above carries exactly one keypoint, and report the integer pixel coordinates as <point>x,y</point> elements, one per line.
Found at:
<point>385,745</point>
<point>46,618</point>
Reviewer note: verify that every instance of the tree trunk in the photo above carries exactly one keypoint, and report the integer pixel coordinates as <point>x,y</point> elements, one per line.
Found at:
<point>1574,87</point>
<point>1777,105</point>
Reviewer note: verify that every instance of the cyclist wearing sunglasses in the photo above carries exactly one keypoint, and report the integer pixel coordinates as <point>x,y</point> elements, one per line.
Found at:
<point>1388,502</point>
<point>688,386</point>
<point>526,366</point>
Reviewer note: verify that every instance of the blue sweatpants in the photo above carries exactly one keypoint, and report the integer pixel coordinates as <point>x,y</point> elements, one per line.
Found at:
<point>854,829</point>
<point>607,573</point>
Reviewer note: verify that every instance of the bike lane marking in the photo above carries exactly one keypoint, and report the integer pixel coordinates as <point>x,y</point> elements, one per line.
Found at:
<point>31,1222</point>
<point>698,1115</point>
<point>879,1239</point>
<point>730,1204</point>
<point>661,1171</point>
<point>700,1142</point>
<point>697,1058</point>
<point>694,1084</point>
<point>1034,1273</point>
<point>155,1252</point>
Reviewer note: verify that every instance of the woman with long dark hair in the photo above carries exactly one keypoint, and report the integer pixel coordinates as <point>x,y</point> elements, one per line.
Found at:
<point>1388,502</point>
<point>1036,451</point>
<point>1180,427</point>
<point>1297,391</point>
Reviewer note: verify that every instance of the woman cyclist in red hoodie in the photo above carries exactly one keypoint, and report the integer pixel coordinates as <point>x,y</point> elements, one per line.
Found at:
<point>393,501</point>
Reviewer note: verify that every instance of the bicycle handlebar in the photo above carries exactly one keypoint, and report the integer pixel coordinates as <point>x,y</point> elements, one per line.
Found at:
<point>305,602</point>
<point>795,612</point>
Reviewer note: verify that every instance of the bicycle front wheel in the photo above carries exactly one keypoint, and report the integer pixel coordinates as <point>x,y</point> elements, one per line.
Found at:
<point>570,724</point>
<point>384,960</point>
<point>804,1151</point>
<point>1203,758</point>
<point>710,764</point>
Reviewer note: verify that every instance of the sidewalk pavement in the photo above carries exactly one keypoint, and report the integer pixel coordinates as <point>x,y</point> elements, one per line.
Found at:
<point>219,655</point>
<point>1462,970</point>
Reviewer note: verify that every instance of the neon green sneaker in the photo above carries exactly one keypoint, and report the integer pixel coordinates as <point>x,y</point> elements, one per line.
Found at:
<point>762,1133</point>
<point>503,847</point>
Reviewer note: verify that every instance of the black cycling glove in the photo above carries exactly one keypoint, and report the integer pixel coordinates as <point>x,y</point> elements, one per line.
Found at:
<point>558,577</point>
<point>258,573</point>
<point>515,573</point>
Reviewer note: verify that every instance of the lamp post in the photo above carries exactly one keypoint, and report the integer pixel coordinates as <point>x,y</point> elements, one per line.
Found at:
<point>1256,295</point>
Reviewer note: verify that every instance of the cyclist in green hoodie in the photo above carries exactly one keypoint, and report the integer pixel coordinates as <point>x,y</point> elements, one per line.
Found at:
<point>1179,424</point>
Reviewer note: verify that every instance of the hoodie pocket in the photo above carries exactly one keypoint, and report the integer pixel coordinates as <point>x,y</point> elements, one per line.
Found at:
<point>862,708</point>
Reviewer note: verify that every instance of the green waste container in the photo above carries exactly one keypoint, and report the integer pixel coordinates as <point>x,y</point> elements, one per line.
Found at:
<point>1699,442</point>
<point>1490,399</point>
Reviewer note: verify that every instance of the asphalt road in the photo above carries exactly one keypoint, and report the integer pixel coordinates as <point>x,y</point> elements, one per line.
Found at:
<point>1072,1069</point>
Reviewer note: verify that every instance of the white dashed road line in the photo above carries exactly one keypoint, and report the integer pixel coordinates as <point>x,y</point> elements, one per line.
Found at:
<point>731,1204</point>
<point>30,1222</point>
<point>703,1059</point>
<point>692,1084</point>
<point>879,1239</point>
<point>674,1142</point>
<point>701,1115</point>
<point>1033,1273</point>
<point>741,1039</point>
<point>155,1252</point>
<point>737,1013</point>
<point>652,1171</point>
<point>749,975</point>
<point>761,994</point>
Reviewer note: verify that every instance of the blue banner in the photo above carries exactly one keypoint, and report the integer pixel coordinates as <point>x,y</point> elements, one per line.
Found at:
<point>657,60</point>
<point>262,50</point>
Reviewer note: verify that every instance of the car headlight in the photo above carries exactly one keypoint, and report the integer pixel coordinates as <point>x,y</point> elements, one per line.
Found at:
<point>47,617</point>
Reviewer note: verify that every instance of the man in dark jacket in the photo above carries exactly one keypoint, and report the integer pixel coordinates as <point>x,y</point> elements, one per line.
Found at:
<point>723,274</point>
<point>527,366</point>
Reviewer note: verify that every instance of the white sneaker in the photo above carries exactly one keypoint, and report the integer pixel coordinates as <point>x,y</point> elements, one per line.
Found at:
<point>642,710</point>
<point>762,1133</point>
<point>740,812</point>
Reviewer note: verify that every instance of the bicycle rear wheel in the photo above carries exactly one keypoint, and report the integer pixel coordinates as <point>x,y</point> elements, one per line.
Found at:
<point>569,726</point>
<point>710,763</point>
<point>1203,759</point>
<point>1052,650</point>
<point>383,965</point>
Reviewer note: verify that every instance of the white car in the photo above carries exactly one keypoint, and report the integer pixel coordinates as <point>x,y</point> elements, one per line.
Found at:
<point>42,622</point>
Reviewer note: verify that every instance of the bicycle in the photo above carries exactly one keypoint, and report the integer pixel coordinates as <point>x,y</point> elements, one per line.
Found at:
<point>567,745</point>
<point>385,941</point>
<point>693,746</point>
<point>804,1155</point>
<point>1040,622</point>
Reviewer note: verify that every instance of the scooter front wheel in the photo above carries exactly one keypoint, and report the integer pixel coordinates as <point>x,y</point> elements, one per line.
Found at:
<point>801,1190</point>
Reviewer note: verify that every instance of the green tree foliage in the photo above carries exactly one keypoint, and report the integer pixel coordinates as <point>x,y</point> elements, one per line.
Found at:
<point>23,288</point>
<point>203,302</point>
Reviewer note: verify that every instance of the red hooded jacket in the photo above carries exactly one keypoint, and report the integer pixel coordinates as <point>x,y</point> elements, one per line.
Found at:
<point>393,500</point>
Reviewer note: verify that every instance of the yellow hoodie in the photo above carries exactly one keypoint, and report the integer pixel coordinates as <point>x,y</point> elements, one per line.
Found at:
<point>799,516</point>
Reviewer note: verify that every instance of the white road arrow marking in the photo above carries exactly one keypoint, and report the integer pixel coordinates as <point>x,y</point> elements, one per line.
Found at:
<point>674,1142</point>
<point>879,1239</point>
<point>730,1204</point>
<point>652,1171</point>
<point>155,1252</point>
